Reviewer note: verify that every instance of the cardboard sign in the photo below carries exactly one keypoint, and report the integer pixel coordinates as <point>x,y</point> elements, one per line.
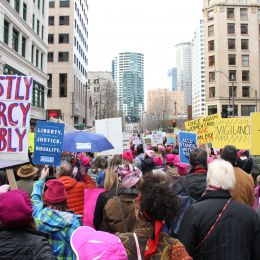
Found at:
<point>31,142</point>
<point>157,137</point>
<point>171,138</point>
<point>187,142</point>
<point>15,109</point>
<point>255,133</point>
<point>232,131</point>
<point>204,127</point>
<point>48,143</point>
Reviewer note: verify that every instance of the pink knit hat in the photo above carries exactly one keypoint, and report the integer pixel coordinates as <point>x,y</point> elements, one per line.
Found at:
<point>15,209</point>
<point>157,161</point>
<point>161,147</point>
<point>149,153</point>
<point>85,160</point>
<point>169,158</point>
<point>56,191</point>
<point>128,156</point>
<point>182,168</point>
<point>176,159</point>
<point>87,243</point>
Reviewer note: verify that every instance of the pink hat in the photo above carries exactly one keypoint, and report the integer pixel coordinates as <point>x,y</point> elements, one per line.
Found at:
<point>15,209</point>
<point>157,161</point>
<point>85,160</point>
<point>128,175</point>
<point>211,159</point>
<point>4,188</point>
<point>128,156</point>
<point>55,192</point>
<point>161,148</point>
<point>88,244</point>
<point>182,168</point>
<point>176,159</point>
<point>169,158</point>
<point>149,153</point>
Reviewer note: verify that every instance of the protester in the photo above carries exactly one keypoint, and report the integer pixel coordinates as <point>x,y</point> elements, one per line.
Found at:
<point>194,183</point>
<point>127,157</point>
<point>52,215</point>
<point>155,205</point>
<point>75,189</point>
<point>140,156</point>
<point>110,184</point>
<point>88,243</point>
<point>26,173</point>
<point>243,190</point>
<point>99,169</point>
<point>218,227</point>
<point>19,238</point>
<point>257,192</point>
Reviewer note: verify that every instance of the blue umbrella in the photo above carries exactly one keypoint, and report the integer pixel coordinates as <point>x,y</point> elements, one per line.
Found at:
<point>81,141</point>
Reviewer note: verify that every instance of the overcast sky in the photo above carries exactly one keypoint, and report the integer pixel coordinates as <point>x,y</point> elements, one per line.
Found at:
<point>151,27</point>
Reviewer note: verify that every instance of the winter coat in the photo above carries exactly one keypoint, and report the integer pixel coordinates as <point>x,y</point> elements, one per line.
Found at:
<point>75,192</point>
<point>24,244</point>
<point>236,236</point>
<point>244,187</point>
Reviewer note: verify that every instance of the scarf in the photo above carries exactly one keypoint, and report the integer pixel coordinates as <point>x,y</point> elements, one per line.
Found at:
<point>198,169</point>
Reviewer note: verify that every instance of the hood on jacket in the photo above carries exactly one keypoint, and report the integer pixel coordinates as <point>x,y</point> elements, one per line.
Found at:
<point>68,182</point>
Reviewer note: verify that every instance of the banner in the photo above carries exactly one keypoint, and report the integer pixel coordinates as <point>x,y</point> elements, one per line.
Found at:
<point>204,127</point>
<point>232,131</point>
<point>15,109</point>
<point>187,142</point>
<point>48,143</point>
<point>255,133</point>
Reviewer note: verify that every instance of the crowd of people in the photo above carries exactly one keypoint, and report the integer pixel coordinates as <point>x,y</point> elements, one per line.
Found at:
<point>151,206</point>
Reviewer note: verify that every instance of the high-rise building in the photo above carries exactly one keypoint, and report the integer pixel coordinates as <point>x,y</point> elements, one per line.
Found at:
<point>68,59</point>
<point>184,74</point>
<point>198,73</point>
<point>172,75</point>
<point>23,47</point>
<point>232,56</point>
<point>128,74</point>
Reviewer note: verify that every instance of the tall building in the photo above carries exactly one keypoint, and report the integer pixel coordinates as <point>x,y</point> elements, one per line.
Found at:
<point>67,59</point>
<point>172,75</point>
<point>184,74</point>
<point>23,47</point>
<point>232,56</point>
<point>128,74</point>
<point>198,73</point>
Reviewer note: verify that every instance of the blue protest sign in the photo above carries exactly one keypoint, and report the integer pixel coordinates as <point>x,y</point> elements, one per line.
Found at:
<point>187,142</point>
<point>48,143</point>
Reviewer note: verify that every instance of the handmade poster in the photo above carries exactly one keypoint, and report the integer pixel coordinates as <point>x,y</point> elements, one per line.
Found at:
<point>204,127</point>
<point>255,133</point>
<point>157,137</point>
<point>31,142</point>
<point>187,142</point>
<point>171,138</point>
<point>15,109</point>
<point>234,131</point>
<point>48,143</point>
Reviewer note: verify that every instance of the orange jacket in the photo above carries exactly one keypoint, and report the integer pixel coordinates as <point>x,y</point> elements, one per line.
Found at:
<point>75,192</point>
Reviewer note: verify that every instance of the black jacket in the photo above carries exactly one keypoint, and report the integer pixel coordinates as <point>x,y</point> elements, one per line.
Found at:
<point>24,245</point>
<point>235,237</point>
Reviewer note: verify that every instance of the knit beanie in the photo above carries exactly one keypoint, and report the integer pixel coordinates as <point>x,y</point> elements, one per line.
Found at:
<point>55,192</point>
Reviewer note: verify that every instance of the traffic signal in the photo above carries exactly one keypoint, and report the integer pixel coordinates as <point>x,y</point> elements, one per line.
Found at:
<point>173,123</point>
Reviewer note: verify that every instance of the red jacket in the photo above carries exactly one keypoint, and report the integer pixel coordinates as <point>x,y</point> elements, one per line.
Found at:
<point>75,192</point>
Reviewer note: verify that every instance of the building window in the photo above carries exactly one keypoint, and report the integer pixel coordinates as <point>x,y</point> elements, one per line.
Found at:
<point>211,45</point>
<point>51,20</point>
<point>231,59</point>
<point>210,15</point>
<point>15,40</point>
<point>244,44</point>
<point>24,11</point>
<point>50,56</point>
<point>49,94</point>
<point>39,4</point>
<point>43,6</point>
<point>6,32</point>
<point>231,28</point>
<point>38,95</point>
<point>32,54</point>
<point>211,92</point>
<point>212,110</point>
<point>51,3</point>
<point>232,90</point>
<point>64,3</point>
<point>245,91</point>
<point>23,46</point>
<point>211,30</point>
<point>64,20</point>
<point>231,44</point>
<point>17,6</point>
<point>42,31</point>
<point>245,75</point>
<point>230,13</point>
<point>50,38</point>
<point>211,77</point>
<point>63,38</point>
<point>37,57</point>
<point>211,61</point>
<point>246,110</point>
<point>243,14</point>
<point>232,75</point>
<point>63,85</point>
<point>244,28</point>
<point>63,56</point>
<point>38,27</point>
<point>33,21</point>
<point>245,60</point>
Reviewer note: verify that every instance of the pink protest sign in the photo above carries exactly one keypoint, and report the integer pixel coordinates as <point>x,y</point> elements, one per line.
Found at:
<point>15,108</point>
<point>90,200</point>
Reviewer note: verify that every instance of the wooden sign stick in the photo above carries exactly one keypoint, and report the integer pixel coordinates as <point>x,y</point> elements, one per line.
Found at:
<point>11,179</point>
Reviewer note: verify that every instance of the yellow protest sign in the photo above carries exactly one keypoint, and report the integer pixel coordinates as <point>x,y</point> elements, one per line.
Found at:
<point>232,131</point>
<point>31,142</point>
<point>203,127</point>
<point>255,133</point>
